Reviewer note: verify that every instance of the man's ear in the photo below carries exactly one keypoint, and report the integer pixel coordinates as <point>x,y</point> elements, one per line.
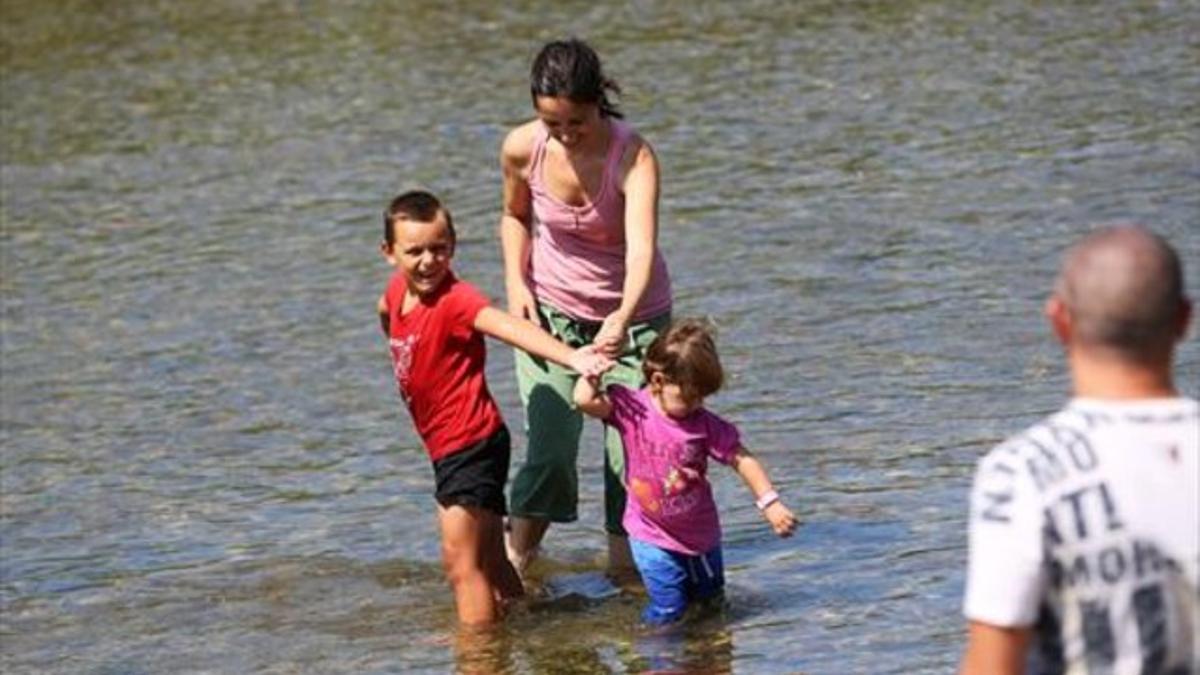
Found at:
<point>388,251</point>
<point>1059,316</point>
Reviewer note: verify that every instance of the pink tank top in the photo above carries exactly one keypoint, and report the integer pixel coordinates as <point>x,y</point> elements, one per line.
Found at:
<point>578,259</point>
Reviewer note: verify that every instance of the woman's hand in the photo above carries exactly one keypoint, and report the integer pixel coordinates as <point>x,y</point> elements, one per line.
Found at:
<point>610,339</point>
<point>521,303</point>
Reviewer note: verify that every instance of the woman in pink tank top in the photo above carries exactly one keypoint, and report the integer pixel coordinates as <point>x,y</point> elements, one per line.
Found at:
<point>579,234</point>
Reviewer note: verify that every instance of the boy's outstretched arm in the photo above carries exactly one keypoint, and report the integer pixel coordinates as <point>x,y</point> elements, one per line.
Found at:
<point>590,400</point>
<point>523,334</point>
<point>765,497</point>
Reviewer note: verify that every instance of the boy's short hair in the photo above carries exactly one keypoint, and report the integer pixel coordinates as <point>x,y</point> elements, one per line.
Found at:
<point>686,354</point>
<point>416,205</point>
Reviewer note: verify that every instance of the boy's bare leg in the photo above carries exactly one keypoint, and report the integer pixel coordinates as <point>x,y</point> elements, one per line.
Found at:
<point>504,579</point>
<point>621,568</point>
<point>524,537</point>
<point>481,650</point>
<point>463,530</point>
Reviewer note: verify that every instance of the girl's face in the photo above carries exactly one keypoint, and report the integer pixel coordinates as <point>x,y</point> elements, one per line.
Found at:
<point>674,400</point>
<point>569,122</point>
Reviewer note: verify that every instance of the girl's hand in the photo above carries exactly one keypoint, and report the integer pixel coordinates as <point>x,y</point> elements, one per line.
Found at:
<point>610,339</point>
<point>590,363</point>
<point>521,303</point>
<point>781,519</point>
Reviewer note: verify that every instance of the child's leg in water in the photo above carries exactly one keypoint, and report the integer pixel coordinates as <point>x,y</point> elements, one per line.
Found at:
<point>666,579</point>
<point>707,574</point>
<point>676,580</point>
<point>463,542</point>
<point>504,579</point>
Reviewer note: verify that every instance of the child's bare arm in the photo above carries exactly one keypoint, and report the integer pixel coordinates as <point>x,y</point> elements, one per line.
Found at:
<point>590,400</point>
<point>766,498</point>
<point>523,334</point>
<point>384,321</point>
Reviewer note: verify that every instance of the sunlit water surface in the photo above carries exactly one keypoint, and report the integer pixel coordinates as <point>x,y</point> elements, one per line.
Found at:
<point>205,466</point>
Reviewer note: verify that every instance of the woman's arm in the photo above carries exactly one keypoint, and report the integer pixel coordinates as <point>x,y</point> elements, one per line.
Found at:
<point>754,474</point>
<point>590,400</point>
<point>641,235</point>
<point>515,221</point>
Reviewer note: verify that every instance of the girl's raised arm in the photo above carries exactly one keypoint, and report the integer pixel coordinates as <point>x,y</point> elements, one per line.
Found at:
<point>590,400</point>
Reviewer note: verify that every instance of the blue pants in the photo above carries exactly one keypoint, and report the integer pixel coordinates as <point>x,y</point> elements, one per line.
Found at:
<point>675,579</point>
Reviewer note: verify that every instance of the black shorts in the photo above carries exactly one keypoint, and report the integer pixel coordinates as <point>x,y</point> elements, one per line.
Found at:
<point>475,475</point>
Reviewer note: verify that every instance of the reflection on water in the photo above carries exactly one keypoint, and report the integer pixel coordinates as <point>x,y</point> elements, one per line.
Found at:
<point>204,464</point>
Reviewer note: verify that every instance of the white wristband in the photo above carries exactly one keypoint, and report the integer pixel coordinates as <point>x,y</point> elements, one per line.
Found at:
<point>766,499</point>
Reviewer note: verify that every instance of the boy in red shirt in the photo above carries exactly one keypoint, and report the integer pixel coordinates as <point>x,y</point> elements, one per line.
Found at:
<point>435,325</point>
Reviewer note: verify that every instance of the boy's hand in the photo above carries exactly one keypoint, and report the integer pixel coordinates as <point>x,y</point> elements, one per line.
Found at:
<point>781,519</point>
<point>590,363</point>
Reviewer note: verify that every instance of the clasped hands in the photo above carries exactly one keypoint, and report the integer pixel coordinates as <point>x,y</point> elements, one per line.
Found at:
<point>592,361</point>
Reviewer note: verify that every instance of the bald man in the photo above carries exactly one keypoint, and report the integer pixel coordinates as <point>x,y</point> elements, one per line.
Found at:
<point>1085,529</point>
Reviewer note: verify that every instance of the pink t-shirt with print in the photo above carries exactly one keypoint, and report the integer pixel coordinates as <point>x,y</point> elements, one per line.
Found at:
<point>670,502</point>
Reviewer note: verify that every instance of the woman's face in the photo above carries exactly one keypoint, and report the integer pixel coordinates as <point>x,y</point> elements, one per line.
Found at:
<point>568,122</point>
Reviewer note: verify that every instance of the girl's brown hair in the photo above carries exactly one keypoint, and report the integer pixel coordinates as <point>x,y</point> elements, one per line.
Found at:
<point>686,354</point>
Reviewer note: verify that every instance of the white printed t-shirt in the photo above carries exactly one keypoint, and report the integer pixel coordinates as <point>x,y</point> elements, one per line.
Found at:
<point>1086,527</point>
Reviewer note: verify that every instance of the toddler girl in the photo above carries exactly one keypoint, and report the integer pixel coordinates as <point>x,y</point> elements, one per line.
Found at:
<point>669,436</point>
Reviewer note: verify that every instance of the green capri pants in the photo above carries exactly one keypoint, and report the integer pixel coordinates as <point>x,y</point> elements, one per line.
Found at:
<point>546,486</point>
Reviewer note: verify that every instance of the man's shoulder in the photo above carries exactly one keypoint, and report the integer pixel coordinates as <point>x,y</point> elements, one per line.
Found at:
<point>1083,419</point>
<point>1031,438</point>
<point>1074,440</point>
<point>1138,412</point>
<point>1042,454</point>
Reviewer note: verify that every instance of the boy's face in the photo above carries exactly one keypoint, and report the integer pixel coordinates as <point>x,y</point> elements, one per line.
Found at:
<point>422,252</point>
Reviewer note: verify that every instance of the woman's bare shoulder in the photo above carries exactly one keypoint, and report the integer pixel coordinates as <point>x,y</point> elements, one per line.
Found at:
<point>637,151</point>
<point>518,144</point>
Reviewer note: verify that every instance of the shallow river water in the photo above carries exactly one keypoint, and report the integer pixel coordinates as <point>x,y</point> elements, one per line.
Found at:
<point>205,467</point>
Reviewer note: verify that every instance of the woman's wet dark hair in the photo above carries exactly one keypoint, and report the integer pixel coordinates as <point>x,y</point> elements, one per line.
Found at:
<point>571,69</point>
